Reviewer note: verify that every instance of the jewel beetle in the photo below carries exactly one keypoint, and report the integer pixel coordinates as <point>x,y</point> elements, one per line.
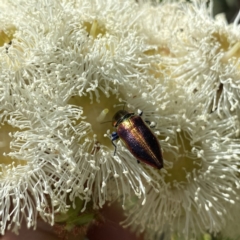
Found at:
<point>137,137</point>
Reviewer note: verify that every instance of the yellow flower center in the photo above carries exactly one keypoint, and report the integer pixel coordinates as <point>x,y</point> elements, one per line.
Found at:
<point>99,115</point>
<point>94,28</point>
<point>184,163</point>
<point>5,143</point>
<point>5,38</point>
<point>231,50</point>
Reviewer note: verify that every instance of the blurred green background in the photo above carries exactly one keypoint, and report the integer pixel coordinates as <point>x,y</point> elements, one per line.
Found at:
<point>229,7</point>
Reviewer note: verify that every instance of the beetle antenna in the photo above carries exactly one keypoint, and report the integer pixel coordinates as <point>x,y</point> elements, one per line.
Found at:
<point>106,122</point>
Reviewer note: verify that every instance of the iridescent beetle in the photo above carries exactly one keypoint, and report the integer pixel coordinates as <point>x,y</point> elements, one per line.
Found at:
<point>138,138</point>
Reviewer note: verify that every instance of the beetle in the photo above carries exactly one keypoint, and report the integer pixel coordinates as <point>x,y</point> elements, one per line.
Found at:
<point>137,137</point>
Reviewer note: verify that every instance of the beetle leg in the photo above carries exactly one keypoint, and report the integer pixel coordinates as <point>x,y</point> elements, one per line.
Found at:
<point>138,161</point>
<point>114,137</point>
<point>115,148</point>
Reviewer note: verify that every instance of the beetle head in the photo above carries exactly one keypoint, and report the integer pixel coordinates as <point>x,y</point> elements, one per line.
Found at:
<point>118,117</point>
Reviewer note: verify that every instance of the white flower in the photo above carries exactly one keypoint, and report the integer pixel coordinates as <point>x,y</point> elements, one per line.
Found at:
<point>201,151</point>
<point>65,63</point>
<point>70,65</point>
<point>34,159</point>
<point>197,190</point>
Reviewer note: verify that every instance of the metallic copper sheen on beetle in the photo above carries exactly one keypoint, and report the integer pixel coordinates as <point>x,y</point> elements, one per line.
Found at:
<point>138,138</point>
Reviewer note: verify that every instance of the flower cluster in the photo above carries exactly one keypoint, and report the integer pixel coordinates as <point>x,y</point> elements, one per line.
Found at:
<point>68,66</point>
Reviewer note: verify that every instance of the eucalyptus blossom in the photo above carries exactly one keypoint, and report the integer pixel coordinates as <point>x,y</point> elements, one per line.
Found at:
<point>68,66</point>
